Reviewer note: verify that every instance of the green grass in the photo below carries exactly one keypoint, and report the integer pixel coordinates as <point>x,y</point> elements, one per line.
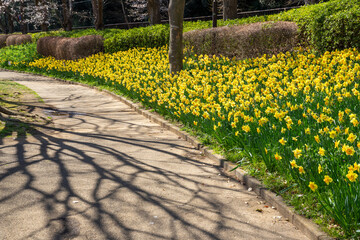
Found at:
<point>11,95</point>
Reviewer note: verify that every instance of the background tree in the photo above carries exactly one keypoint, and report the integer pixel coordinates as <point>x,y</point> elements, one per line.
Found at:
<point>98,12</point>
<point>41,13</point>
<point>66,6</point>
<point>230,9</point>
<point>140,10</point>
<point>9,14</point>
<point>176,16</point>
<point>3,18</point>
<point>153,7</point>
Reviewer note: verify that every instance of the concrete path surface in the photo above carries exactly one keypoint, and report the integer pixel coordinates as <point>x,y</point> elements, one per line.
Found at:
<point>109,173</point>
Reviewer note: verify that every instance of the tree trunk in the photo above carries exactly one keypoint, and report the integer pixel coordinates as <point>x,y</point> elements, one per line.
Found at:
<point>66,10</point>
<point>44,26</point>
<point>3,26</point>
<point>98,10</point>
<point>23,24</point>
<point>230,9</point>
<point>10,22</point>
<point>176,16</point>
<point>153,7</point>
<point>124,13</point>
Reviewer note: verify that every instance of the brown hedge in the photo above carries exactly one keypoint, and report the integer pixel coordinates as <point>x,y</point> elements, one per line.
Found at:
<point>246,41</point>
<point>18,39</point>
<point>3,38</point>
<point>70,48</point>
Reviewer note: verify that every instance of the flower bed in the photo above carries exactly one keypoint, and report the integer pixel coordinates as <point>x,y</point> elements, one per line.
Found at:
<point>298,111</point>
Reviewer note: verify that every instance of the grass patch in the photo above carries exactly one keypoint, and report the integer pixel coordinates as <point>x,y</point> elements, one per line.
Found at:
<point>12,96</point>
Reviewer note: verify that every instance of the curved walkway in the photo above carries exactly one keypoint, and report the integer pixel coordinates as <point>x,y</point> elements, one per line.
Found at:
<point>107,172</point>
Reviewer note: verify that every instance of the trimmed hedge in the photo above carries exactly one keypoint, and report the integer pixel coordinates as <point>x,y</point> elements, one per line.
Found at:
<point>70,48</point>
<point>326,26</point>
<point>3,38</point>
<point>153,36</point>
<point>337,26</point>
<point>119,39</point>
<point>245,41</point>
<point>18,39</point>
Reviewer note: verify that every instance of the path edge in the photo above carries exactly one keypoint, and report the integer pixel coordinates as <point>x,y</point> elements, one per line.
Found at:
<point>309,228</point>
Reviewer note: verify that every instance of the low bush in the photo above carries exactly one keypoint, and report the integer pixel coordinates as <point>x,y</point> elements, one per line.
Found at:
<point>18,39</point>
<point>246,41</point>
<point>336,26</point>
<point>17,56</point>
<point>198,25</point>
<point>3,38</point>
<point>328,26</point>
<point>153,36</point>
<point>70,48</point>
<point>119,39</point>
<point>36,36</point>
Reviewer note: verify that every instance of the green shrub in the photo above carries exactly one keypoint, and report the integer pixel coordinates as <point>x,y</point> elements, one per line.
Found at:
<point>245,41</point>
<point>18,56</point>
<point>336,26</point>
<point>330,25</point>
<point>189,26</point>
<point>152,36</point>
<point>327,26</point>
<point>36,36</point>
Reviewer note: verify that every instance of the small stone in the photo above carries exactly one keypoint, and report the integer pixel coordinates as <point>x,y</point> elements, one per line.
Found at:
<point>250,189</point>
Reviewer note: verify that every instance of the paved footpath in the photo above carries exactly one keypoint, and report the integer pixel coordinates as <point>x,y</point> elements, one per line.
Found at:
<point>110,173</point>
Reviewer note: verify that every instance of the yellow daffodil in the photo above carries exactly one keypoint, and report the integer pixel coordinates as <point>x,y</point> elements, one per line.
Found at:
<point>297,153</point>
<point>321,151</point>
<point>313,186</point>
<point>293,164</point>
<point>277,157</point>
<point>352,176</point>
<point>349,150</point>
<point>282,141</point>
<point>319,169</point>
<point>327,179</point>
<point>351,138</point>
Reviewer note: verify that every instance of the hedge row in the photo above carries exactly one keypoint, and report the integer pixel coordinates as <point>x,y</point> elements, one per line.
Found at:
<point>327,26</point>
<point>119,39</point>
<point>245,41</point>
<point>14,39</point>
<point>70,48</point>
<point>330,25</point>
